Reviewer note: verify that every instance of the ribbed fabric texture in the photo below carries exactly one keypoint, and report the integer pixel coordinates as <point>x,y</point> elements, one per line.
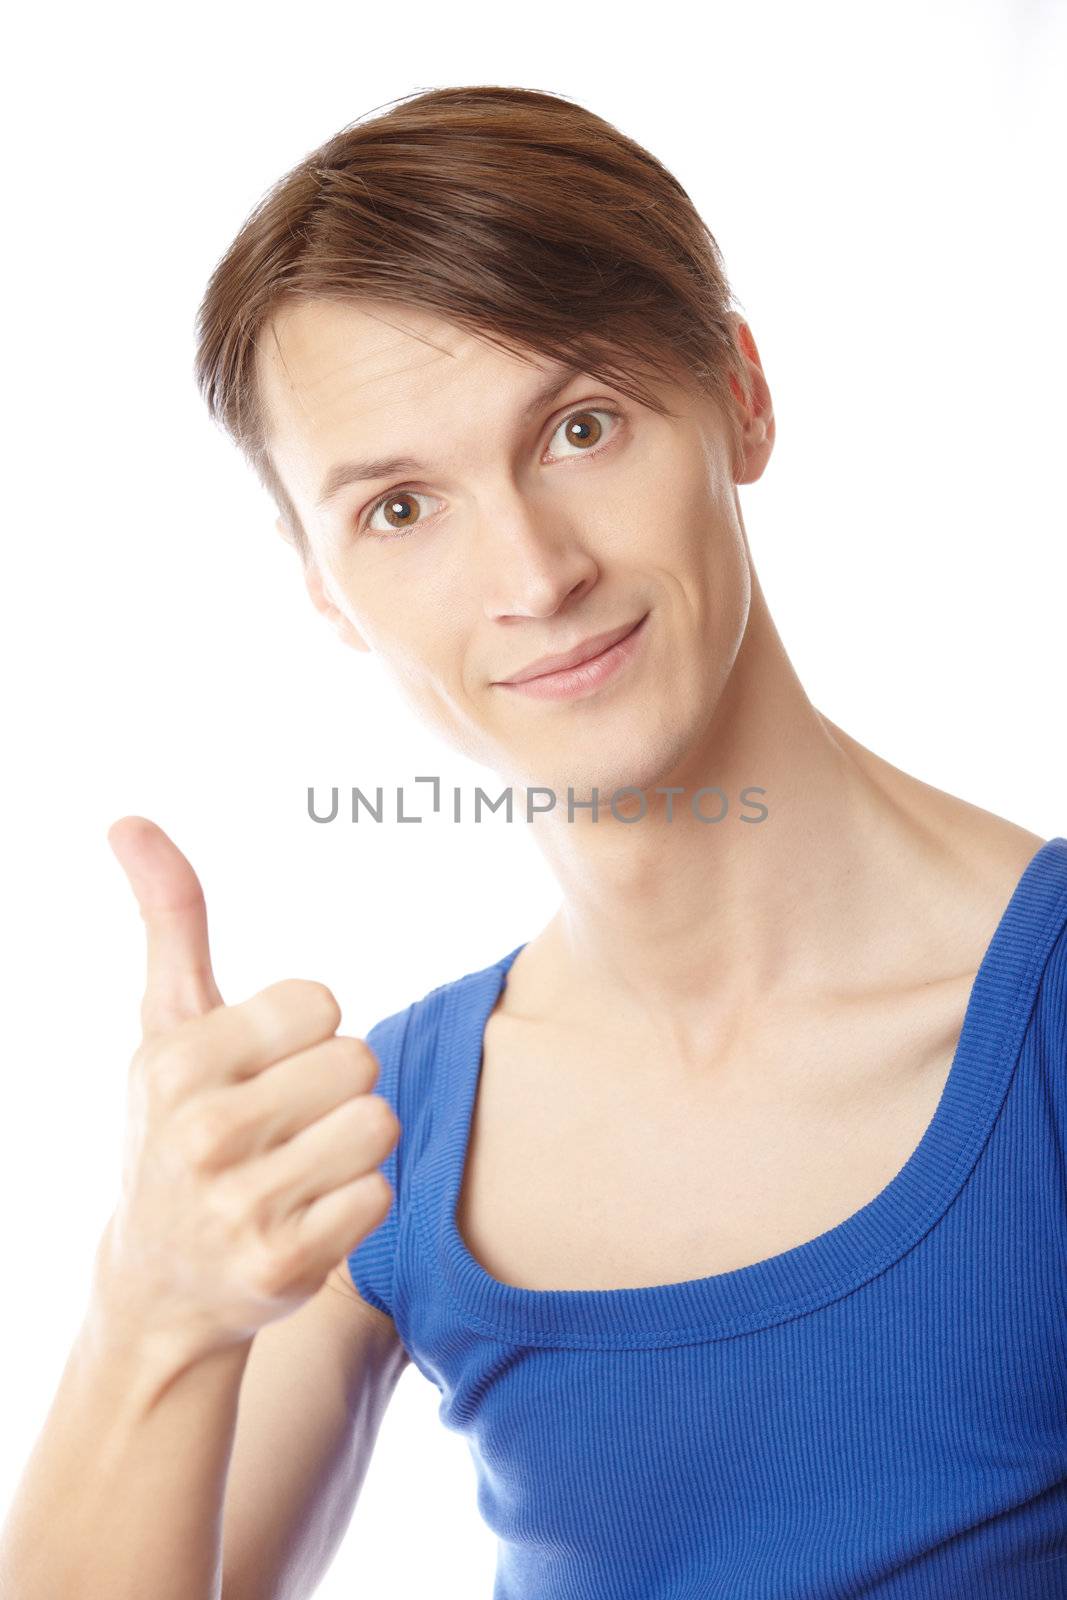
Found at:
<point>881,1411</point>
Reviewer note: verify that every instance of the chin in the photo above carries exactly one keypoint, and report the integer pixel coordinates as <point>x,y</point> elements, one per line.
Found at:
<point>607,775</point>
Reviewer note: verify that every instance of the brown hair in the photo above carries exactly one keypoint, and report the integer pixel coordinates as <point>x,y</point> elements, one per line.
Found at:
<point>511,212</point>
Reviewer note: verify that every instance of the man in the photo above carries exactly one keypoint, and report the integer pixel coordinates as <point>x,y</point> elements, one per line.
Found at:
<point>678,1219</point>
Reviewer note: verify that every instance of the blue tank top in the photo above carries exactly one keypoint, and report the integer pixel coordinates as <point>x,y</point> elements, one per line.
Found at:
<point>880,1411</point>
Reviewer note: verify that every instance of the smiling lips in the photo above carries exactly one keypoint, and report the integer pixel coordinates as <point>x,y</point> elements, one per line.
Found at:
<point>585,651</point>
<point>579,671</point>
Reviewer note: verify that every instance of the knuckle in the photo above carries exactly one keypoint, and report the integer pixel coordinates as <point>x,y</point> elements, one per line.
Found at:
<point>206,1130</point>
<point>313,1000</point>
<point>268,1269</point>
<point>323,1003</point>
<point>279,1263</point>
<point>259,1201</point>
<point>358,1059</point>
<point>170,1070</point>
<point>382,1120</point>
<point>377,1194</point>
<point>234,1208</point>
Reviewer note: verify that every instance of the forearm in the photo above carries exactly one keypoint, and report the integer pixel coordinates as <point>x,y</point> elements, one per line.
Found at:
<point>122,1495</point>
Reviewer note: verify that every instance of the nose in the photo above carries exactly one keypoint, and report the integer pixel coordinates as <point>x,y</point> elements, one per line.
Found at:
<point>535,559</point>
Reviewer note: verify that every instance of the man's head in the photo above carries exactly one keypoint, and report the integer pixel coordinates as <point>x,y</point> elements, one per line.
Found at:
<point>502,288</point>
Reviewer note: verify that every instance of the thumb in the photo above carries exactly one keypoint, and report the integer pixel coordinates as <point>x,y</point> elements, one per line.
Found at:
<point>179,982</point>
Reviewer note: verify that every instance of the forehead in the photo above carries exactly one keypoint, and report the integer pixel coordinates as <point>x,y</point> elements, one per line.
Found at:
<point>320,361</point>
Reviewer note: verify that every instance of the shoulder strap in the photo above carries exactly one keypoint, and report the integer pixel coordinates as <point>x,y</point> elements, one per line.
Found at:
<point>371,1263</point>
<point>408,1047</point>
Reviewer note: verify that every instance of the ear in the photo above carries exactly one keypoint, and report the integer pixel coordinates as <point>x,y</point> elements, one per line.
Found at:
<point>757,432</point>
<point>321,601</point>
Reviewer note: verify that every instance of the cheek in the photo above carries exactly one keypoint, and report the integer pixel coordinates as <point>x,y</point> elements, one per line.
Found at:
<point>678,492</point>
<point>696,545</point>
<point>377,594</point>
<point>407,590</point>
<point>424,650</point>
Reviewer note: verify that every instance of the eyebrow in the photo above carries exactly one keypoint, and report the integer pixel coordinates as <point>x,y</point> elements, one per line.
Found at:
<point>343,473</point>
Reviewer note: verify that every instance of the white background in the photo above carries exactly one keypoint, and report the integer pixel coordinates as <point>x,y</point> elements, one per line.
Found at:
<point>885,183</point>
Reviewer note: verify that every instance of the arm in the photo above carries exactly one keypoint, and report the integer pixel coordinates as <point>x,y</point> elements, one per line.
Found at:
<point>224,1478</point>
<point>313,1398</point>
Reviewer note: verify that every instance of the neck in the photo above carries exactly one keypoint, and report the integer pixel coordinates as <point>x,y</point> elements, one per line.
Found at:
<point>858,873</point>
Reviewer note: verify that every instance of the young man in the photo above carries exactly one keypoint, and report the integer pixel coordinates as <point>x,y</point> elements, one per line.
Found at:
<point>726,1212</point>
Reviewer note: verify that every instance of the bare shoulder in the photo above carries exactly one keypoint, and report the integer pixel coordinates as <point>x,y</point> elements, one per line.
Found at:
<point>998,852</point>
<point>980,860</point>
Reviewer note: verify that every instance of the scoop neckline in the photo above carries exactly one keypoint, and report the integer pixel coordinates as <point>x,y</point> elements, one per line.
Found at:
<point>793,1282</point>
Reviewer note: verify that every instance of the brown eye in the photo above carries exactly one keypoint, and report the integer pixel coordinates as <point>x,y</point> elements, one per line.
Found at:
<point>400,510</point>
<point>582,429</point>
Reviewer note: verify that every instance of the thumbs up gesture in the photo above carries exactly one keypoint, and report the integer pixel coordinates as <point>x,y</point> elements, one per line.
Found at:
<point>253,1139</point>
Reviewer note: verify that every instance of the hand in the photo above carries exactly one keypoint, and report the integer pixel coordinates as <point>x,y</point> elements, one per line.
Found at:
<point>253,1140</point>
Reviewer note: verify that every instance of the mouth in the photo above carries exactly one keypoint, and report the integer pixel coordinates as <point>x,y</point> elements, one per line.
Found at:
<point>581,678</point>
<point>588,650</point>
